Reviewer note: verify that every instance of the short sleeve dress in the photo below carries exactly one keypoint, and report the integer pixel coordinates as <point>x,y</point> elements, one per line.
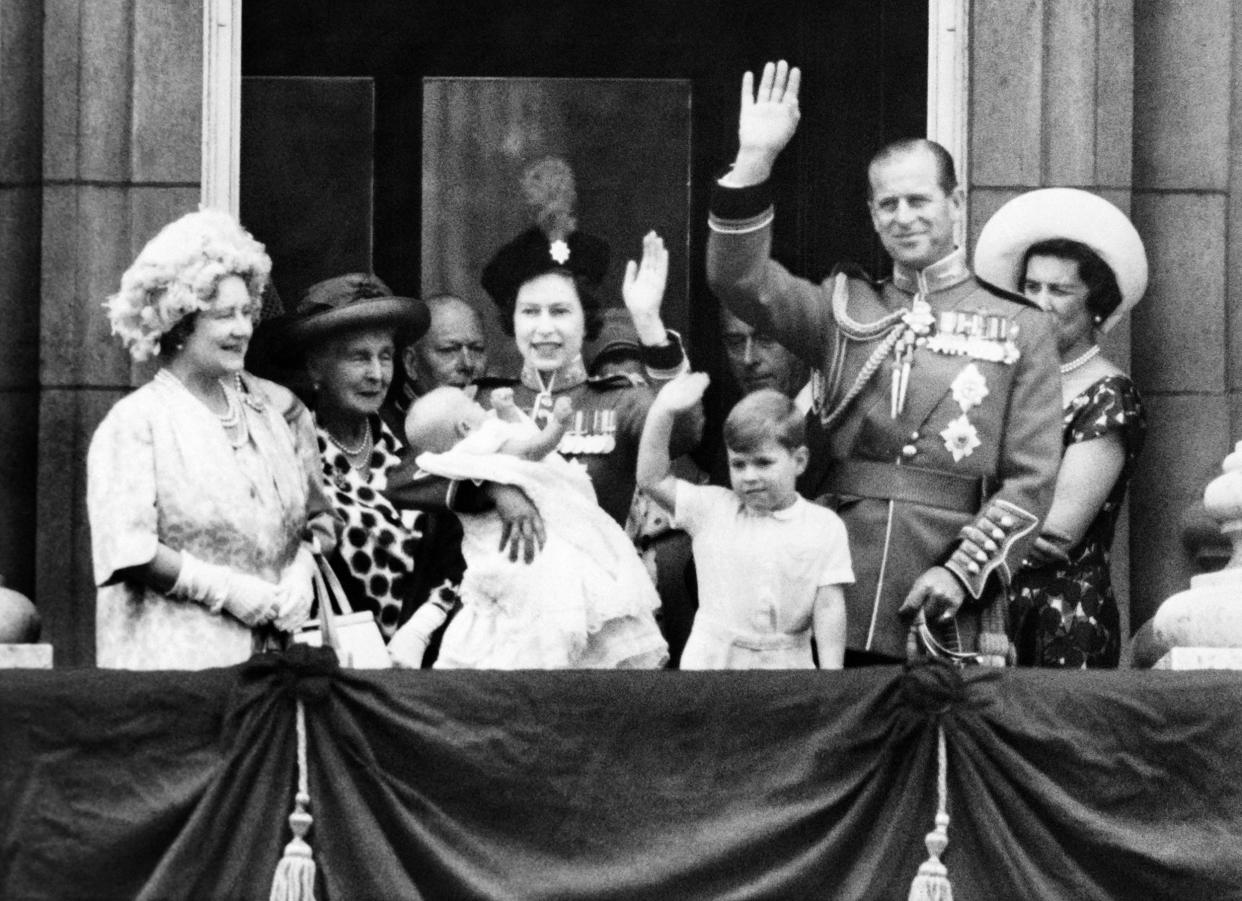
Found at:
<point>161,470</point>
<point>1065,615</point>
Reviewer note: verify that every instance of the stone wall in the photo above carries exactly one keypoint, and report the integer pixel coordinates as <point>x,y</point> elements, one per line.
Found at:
<point>1187,350</point>
<point>100,104</point>
<point>122,83</point>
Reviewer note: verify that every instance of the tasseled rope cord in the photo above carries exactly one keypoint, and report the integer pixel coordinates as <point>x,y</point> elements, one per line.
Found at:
<point>942,777</point>
<point>932,882</point>
<point>295,873</point>
<point>303,795</point>
<point>874,362</point>
<point>858,331</point>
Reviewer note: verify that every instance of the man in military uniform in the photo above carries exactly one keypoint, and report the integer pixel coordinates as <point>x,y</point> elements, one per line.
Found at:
<point>939,397</point>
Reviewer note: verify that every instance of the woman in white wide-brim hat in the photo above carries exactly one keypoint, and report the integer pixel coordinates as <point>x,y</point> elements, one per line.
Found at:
<point>1078,257</point>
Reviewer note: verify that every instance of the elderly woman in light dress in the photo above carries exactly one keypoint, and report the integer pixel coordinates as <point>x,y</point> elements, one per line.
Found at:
<point>203,486</point>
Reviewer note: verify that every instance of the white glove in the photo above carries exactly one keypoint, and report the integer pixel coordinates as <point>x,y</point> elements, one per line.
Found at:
<point>251,599</point>
<point>297,591</point>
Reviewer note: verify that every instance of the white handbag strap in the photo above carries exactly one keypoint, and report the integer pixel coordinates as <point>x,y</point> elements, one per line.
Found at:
<point>335,589</point>
<point>327,618</point>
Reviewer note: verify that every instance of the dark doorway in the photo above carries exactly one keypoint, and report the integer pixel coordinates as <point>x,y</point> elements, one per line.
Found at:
<point>864,68</point>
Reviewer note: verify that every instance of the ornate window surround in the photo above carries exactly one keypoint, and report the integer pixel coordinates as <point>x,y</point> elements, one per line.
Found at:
<point>947,92</point>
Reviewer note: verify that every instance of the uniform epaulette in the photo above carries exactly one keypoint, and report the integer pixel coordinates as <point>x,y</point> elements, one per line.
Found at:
<point>853,270</point>
<point>1007,295</point>
<point>614,382</point>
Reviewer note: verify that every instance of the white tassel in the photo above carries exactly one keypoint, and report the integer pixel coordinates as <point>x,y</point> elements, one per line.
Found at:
<point>932,882</point>
<point>294,879</point>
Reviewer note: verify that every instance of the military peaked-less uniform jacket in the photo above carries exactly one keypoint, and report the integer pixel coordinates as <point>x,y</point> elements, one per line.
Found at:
<point>975,384</point>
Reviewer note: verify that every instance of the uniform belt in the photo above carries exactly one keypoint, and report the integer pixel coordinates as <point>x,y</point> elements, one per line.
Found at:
<point>913,484</point>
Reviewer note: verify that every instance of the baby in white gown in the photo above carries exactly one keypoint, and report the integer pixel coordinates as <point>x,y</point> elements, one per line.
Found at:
<point>586,600</point>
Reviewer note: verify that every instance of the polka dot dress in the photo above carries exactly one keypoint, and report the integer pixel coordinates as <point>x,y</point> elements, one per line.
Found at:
<point>377,546</point>
<point>1065,616</point>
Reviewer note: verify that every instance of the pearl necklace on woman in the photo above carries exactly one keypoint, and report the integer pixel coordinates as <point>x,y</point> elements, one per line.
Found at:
<point>232,420</point>
<point>1081,360</point>
<point>358,457</point>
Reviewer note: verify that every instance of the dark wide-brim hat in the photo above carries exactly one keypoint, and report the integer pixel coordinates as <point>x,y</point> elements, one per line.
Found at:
<point>1070,213</point>
<point>353,302</point>
<point>531,254</point>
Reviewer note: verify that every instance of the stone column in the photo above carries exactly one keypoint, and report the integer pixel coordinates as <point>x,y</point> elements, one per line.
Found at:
<point>122,82</point>
<point>1187,352</point>
<point>1051,104</point>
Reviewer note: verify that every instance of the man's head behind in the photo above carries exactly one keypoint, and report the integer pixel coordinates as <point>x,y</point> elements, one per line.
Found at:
<point>440,418</point>
<point>915,201</point>
<point>757,361</point>
<point>454,349</point>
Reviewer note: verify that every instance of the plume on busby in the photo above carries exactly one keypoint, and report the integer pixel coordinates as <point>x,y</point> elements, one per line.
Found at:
<point>552,244</point>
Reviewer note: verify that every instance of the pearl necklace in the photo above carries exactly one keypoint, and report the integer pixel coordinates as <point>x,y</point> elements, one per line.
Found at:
<point>357,456</point>
<point>1078,362</point>
<point>231,420</point>
<point>352,451</point>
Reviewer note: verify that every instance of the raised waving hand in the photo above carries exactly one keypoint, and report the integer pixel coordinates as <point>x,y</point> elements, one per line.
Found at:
<point>768,119</point>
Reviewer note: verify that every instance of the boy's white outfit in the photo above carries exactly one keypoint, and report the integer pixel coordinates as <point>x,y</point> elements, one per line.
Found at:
<point>585,601</point>
<point>758,574</point>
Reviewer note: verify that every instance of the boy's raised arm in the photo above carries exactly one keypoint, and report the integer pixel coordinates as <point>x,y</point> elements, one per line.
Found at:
<point>676,397</point>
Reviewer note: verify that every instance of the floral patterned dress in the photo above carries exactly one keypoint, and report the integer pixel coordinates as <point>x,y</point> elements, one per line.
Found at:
<point>1065,615</point>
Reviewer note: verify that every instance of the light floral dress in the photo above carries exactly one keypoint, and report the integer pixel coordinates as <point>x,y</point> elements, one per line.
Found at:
<point>161,470</point>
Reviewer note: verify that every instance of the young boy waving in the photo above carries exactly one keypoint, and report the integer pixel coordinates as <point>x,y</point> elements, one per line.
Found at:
<point>770,563</point>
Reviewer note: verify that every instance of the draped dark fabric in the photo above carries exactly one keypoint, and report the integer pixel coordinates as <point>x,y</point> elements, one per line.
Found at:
<point>604,785</point>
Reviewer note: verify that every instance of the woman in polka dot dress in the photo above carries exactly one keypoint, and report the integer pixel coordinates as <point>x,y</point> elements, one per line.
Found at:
<point>345,328</point>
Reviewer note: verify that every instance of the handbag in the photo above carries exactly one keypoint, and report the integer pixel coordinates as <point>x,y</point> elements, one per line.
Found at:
<point>354,635</point>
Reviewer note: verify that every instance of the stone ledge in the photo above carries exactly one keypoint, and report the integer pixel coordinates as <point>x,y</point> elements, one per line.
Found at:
<point>1200,658</point>
<point>25,656</point>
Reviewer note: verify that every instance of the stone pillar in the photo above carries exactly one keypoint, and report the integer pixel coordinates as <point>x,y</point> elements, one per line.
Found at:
<point>1186,120</point>
<point>21,186</point>
<point>122,82</point>
<point>1051,104</point>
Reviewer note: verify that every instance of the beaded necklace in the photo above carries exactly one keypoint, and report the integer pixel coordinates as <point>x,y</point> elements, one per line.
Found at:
<point>359,457</point>
<point>1082,360</point>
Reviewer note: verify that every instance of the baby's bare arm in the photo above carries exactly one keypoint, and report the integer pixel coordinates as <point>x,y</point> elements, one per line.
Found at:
<point>503,404</point>
<point>539,446</point>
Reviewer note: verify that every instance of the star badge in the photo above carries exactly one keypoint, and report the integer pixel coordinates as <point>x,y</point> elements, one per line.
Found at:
<point>960,438</point>
<point>559,251</point>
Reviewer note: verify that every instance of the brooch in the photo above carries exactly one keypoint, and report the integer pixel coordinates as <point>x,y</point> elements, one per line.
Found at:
<point>969,388</point>
<point>960,438</point>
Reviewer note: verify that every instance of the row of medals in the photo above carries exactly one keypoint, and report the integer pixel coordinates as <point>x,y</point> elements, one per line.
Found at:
<point>598,436</point>
<point>973,334</point>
